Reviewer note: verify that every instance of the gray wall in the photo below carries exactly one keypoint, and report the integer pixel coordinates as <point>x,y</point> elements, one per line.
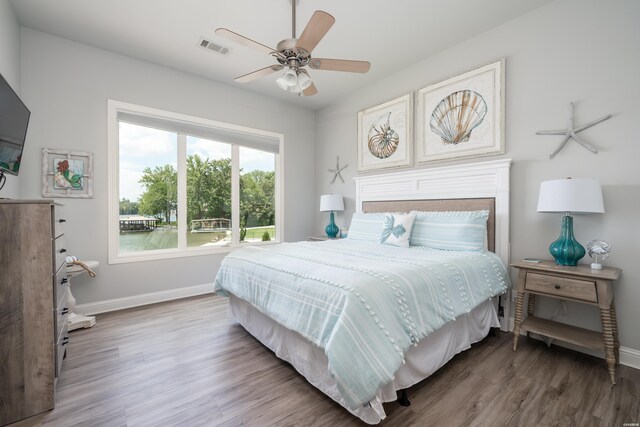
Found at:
<point>10,70</point>
<point>574,50</point>
<point>67,84</point>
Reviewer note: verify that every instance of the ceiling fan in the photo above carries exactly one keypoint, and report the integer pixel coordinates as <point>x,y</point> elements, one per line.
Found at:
<point>295,54</point>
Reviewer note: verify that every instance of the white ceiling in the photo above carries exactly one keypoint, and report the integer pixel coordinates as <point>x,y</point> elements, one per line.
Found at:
<point>390,34</point>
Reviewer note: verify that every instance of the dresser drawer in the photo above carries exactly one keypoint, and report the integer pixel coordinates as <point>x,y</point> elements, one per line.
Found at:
<point>584,290</point>
<point>61,345</point>
<point>60,284</point>
<point>61,312</point>
<point>59,251</point>
<point>58,221</point>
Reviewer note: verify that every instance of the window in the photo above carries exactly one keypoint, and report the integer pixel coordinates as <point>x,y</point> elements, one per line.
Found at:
<point>182,186</point>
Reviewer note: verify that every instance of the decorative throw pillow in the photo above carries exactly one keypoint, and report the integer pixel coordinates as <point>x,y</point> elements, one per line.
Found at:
<point>397,229</point>
<point>452,231</point>
<point>366,226</point>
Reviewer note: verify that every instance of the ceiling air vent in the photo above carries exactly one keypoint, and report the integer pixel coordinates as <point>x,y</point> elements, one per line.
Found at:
<point>204,43</point>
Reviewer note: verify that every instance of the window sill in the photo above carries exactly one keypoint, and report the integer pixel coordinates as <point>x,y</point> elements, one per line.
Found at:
<point>142,256</point>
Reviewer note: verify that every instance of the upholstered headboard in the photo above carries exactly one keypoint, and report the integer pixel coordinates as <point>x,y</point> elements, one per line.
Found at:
<point>440,205</point>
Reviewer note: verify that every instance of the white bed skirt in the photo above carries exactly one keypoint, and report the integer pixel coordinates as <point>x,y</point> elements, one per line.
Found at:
<point>421,361</point>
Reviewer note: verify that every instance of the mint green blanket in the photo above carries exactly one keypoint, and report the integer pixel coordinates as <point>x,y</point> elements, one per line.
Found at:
<point>364,304</point>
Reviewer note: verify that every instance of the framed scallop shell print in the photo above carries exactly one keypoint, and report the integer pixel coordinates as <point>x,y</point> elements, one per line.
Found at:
<point>462,116</point>
<point>385,135</point>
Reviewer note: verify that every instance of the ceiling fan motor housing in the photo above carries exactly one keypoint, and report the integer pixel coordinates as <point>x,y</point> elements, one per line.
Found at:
<point>290,55</point>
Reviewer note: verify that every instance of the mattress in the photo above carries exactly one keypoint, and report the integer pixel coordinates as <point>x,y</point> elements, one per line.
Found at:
<point>421,361</point>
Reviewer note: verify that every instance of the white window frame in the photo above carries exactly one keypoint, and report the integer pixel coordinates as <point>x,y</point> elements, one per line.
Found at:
<point>113,138</point>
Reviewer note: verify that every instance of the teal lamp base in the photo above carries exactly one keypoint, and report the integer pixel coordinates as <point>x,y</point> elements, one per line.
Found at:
<point>567,250</point>
<point>331,229</point>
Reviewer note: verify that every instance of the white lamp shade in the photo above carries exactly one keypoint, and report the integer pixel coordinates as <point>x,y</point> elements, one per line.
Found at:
<point>290,78</point>
<point>304,80</point>
<point>293,80</point>
<point>295,88</point>
<point>571,195</point>
<point>331,202</point>
<point>280,81</point>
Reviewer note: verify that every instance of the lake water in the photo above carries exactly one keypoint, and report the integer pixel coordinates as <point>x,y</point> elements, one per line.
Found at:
<point>165,238</point>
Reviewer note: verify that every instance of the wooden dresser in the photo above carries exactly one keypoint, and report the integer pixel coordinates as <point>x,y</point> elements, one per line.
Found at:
<point>33,286</point>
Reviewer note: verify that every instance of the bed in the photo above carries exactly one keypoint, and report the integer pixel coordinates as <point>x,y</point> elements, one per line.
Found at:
<point>370,320</point>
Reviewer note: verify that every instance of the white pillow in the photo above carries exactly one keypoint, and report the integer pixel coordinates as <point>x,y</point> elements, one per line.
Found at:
<point>397,229</point>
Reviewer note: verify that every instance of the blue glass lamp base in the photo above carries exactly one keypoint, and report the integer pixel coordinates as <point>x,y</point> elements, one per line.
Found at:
<point>567,250</point>
<point>331,229</point>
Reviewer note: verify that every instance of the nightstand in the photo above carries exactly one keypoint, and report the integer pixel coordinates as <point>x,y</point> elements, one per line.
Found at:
<point>320,238</point>
<point>580,284</point>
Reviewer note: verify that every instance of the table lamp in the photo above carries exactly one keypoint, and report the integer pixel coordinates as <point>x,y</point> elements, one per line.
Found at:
<point>579,196</point>
<point>331,203</point>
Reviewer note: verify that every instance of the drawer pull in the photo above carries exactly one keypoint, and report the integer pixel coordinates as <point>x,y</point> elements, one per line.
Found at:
<point>63,250</point>
<point>556,286</point>
<point>64,280</point>
<point>65,310</point>
<point>61,220</point>
<point>65,341</point>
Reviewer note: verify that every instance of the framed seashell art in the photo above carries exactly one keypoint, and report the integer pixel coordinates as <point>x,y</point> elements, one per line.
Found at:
<point>385,135</point>
<point>462,116</point>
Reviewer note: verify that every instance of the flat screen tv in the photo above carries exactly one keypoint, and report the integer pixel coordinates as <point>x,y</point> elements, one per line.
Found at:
<point>14,119</point>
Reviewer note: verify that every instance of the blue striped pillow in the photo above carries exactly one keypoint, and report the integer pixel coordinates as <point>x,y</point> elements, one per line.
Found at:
<point>452,231</point>
<point>366,226</point>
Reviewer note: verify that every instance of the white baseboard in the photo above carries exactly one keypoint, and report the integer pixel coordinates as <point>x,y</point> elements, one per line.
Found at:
<point>630,357</point>
<point>144,299</point>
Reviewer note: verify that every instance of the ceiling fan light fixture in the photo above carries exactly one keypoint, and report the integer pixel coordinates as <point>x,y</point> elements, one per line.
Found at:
<point>295,89</point>
<point>280,81</point>
<point>290,77</point>
<point>294,80</point>
<point>304,81</point>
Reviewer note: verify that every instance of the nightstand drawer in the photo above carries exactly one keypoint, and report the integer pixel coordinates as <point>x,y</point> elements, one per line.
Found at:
<point>584,290</point>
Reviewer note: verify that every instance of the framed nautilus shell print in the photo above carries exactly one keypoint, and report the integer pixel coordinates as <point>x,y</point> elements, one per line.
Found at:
<point>385,135</point>
<point>462,116</point>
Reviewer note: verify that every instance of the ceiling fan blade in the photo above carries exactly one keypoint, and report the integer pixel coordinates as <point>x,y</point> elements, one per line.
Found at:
<point>230,35</point>
<point>315,30</point>
<point>310,91</point>
<point>258,73</point>
<point>339,65</point>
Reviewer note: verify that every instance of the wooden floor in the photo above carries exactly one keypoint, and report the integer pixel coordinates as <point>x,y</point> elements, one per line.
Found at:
<point>184,363</point>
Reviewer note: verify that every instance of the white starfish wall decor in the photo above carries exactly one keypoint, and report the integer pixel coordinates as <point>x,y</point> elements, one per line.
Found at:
<point>572,132</point>
<point>337,172</point>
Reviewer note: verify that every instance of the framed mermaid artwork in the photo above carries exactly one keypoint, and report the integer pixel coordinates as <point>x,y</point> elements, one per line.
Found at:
<point>385,135</point>
<point>67,173</point>
<point>462,116</point>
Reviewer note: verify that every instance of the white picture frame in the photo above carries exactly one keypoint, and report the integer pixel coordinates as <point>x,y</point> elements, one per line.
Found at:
<point>386,122</point>
<point>448,112</point>
<point>67,173</point>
